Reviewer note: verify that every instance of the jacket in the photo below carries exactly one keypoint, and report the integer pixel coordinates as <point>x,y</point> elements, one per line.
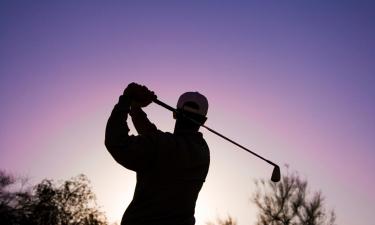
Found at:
<point>171,168</point>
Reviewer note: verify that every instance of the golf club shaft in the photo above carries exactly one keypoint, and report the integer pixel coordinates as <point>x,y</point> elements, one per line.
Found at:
<point>213,131</point>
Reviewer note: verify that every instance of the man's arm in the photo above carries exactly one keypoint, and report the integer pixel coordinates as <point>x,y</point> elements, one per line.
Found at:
<point>141,123</point>
<point>132,152</point>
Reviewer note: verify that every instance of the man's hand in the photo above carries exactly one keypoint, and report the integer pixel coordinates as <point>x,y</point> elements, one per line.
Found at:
<point>139,95</point>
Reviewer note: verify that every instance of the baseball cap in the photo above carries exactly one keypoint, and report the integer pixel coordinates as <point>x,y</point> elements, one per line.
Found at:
<point>193,102</point>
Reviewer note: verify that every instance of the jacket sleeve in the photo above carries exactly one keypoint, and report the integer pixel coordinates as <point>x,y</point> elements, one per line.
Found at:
<point>141,123</point>
<point>132,152</point>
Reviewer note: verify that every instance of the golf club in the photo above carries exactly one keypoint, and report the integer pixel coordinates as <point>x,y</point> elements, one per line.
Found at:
<point>276,170</point>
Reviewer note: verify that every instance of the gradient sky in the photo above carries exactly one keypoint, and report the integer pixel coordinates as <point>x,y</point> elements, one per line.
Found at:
<point>292,80</point>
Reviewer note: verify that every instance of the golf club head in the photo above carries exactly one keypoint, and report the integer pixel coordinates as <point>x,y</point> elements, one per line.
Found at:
<point>276,174</point>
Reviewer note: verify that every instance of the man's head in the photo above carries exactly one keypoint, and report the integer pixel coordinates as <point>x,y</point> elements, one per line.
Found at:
<point>192,105</point>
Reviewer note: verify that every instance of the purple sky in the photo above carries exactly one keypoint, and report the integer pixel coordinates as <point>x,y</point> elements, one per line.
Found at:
<point>293,80</point>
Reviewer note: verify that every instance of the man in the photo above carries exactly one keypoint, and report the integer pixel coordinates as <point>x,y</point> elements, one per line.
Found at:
<point>171,168</point>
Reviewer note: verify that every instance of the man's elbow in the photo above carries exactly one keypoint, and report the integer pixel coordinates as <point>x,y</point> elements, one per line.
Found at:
<point>107,143</point>
<point>119,154</point>
<point>110,145</point>
<point>113,150</point>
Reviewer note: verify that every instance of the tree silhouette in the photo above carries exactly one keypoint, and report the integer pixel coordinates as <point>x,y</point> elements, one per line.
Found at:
<point>72,202</point>
<point>289,202</point>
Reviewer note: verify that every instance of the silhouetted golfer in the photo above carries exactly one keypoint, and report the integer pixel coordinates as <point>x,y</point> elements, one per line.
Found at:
<point>171,168</point>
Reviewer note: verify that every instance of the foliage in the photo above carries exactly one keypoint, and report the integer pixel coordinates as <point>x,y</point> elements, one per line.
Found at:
<point>72,202</point>
<point>289,202</point>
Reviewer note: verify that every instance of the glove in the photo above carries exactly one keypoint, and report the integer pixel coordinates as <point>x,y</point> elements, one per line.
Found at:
<point>138,95</point>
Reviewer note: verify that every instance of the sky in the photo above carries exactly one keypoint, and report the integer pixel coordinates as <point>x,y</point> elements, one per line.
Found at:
<point>291,80</point>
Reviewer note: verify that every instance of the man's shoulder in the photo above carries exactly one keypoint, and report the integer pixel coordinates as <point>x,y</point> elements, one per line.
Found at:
<point>168,137</point>
<point>159,135</point>
<point>162,133</point>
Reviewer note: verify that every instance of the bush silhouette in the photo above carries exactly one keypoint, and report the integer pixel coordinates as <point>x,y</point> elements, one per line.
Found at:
<point>71,202</point>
